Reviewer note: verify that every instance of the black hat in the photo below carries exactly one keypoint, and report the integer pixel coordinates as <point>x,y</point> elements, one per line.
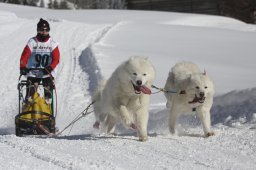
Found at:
<point>43,24</point>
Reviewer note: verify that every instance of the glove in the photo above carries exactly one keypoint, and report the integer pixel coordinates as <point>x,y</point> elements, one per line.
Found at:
<point>23,71</point>
<point>47,70</point>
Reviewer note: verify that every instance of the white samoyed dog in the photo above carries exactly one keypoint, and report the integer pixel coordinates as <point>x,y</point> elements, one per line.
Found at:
<point>124,97</point>
<point>194,93</point>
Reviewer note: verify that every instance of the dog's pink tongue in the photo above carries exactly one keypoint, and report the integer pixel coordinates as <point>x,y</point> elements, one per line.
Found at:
<point>145,90</point>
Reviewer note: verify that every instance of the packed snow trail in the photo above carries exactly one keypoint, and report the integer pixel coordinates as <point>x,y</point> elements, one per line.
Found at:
<point>190,151</point>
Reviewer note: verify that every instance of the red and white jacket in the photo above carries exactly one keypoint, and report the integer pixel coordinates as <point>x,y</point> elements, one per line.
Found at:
<point>40,54</point>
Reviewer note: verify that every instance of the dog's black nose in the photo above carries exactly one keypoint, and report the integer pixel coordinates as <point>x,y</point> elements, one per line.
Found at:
<point>139,82</point>
<point>201,94</point>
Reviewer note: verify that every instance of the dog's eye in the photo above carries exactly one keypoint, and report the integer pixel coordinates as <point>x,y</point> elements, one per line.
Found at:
<point>205,87</point>
<point>135,74</point>
<point>144,74</point>
<point>197,87</point>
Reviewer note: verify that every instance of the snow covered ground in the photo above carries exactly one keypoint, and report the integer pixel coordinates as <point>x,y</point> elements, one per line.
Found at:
<point>92,44</point>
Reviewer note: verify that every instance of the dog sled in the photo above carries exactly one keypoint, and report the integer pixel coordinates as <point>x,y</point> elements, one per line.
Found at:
<point>36,115</point>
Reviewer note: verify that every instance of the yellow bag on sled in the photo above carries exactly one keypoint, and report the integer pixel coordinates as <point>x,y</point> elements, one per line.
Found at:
<point>37,108</point>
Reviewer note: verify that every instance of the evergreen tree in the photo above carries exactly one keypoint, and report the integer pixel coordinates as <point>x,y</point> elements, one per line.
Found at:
<point>63,5</point>
<point>25,2</point>
<point>33,2</point>
<point>42,4</point>
<point>14,1</point>
<point>50,4</point>
<point>111,4</point>
<point>75,3</point>
<point>55,4</point>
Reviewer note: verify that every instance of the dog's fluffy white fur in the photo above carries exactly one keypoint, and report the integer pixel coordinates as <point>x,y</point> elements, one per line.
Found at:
<point>195,92</point>
<point>125,96</point>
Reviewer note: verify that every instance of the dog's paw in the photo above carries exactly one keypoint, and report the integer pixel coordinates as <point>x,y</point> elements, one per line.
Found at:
<point>96,125</point>
<point>133,126</point>
<point>209,134</point>
<point>143,138</point>
<point>173,131</point>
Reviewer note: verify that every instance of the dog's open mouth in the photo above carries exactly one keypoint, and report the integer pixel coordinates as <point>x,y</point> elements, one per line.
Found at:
<point>197,100</point>
<point>143,89</point>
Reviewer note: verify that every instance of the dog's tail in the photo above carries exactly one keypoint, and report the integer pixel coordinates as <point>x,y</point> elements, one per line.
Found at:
<point>97,106</point>
<point>98,91</point>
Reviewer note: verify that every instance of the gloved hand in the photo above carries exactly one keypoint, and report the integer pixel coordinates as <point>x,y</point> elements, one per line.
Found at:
<point>47,70</point>
<point>23,71</point>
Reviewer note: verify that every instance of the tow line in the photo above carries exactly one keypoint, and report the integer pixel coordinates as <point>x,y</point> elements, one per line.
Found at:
<point>84,113</point>
<point>164,90</point>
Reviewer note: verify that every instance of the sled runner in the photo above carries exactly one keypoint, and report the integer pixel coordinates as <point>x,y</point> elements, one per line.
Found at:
<point>36,113</point>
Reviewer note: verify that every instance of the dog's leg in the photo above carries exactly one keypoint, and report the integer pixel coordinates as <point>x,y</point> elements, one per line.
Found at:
<point>172,120</point>
<point>142,124</point>
<point>96,115</point>
<point>110,124</point>
<point>97,107</point>
<point>141,117</point>
<point>96,124</point>
<point>205,118</point>
<point>125,117</point>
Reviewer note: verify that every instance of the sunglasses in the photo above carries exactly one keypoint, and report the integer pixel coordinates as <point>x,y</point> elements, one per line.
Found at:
<point>43,29</point>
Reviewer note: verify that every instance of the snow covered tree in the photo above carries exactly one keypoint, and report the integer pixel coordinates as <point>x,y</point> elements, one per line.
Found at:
<point>63,5</point>
<point>55,4</point>
<point>34,2</point>
<point>99,4</point>
<point>25,2</point>
<point>85,4</point>
<point>111,4</point>
<point>75,2</point>
<point>50,4</point>
<point>243,10</point>
<point>14,1</point>
<point>42,4</point>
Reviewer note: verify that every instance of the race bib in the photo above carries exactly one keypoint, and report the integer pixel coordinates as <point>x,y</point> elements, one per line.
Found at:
<point>41,55</point>
<point>39,60</point>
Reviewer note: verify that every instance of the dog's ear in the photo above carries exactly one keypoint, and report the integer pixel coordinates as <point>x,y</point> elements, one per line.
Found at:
<point>132,58</point>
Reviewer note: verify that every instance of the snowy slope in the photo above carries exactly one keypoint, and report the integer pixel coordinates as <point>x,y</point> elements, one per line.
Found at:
<point>235,107</point>
<point>92,44</point>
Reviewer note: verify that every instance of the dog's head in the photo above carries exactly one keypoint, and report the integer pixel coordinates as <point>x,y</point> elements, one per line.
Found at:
<point>200,87</point>
<point>141,74</point>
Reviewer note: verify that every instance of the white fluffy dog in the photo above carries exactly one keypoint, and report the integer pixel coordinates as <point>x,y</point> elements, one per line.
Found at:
<point>124,97</point>
<point>194,92</point>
